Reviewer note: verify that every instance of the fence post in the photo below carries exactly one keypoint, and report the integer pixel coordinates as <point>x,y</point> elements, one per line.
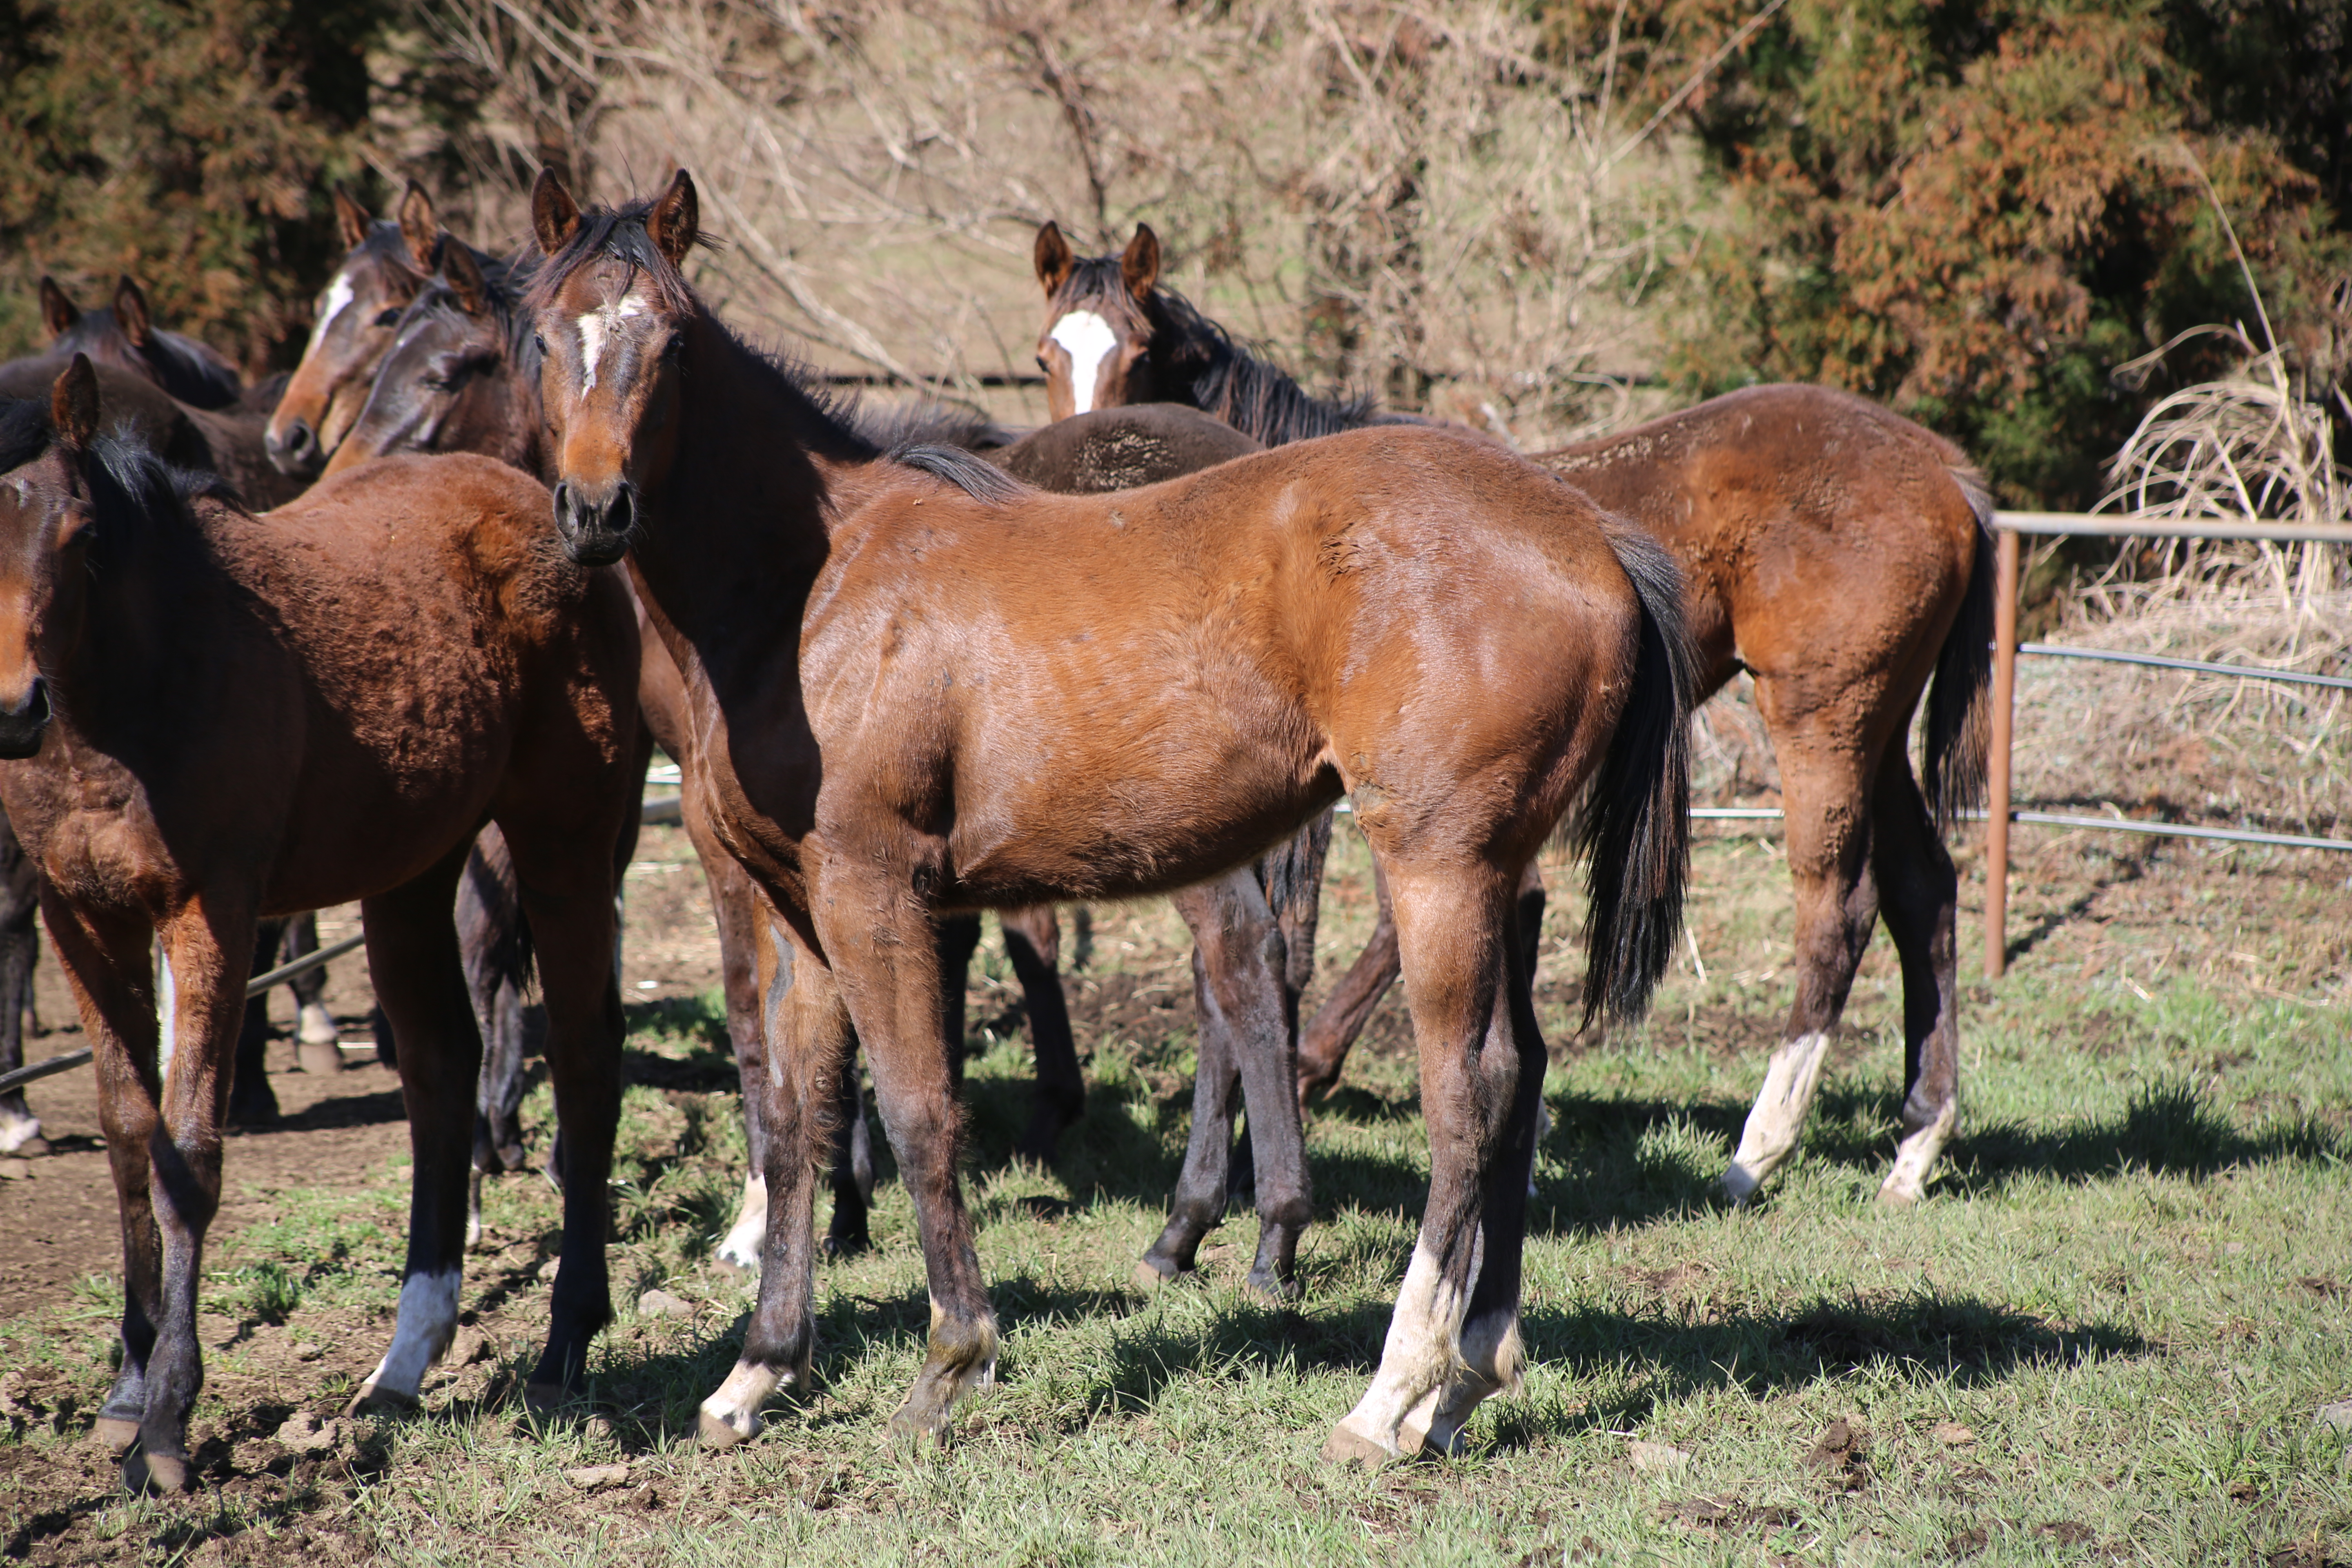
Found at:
<point>2004,695</point>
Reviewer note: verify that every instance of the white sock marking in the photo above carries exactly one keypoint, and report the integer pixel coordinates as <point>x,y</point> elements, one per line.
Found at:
<point>1916,1157</point>
<point>736,1403</point>
<point>1423,1351</point>
<point>1771,1136</point>
<point>314,1026</point>
<point>744,1244</point>
<point>1087,339</point>
<point>16,1131</point>
<point>428,1317</point>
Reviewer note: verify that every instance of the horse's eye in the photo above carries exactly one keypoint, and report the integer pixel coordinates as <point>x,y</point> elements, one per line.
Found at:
<point>1043,365</point>
<point>537,343</point>
<point>390,317</point>
<point>676,348</point>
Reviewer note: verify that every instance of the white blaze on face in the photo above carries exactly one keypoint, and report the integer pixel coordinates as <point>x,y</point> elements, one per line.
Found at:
<point>600,327</point>
<point>332,303</point>
<point>1087,339</point>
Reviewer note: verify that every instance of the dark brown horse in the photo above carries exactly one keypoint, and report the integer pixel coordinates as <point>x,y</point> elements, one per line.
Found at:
<point>926,688</point>
<point>1839,553</point>
<point>219,717</point>
<point>352,327</point>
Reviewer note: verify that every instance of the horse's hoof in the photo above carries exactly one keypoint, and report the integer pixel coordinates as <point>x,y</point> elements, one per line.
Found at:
<point>1898,1197</point>
<point>545,1401</point>
<point>1737,1188</point>
<point>145,1472</point>
<point>718,1432</point>
<point>1270,1292</point>
<point>1151,1279</point>
<point>312,1055</point>
<point>119,1434</point>
<point>372,1400</point>
<point>926,1427</point>
<point>837,1247</point>
<point>1347,1446</point>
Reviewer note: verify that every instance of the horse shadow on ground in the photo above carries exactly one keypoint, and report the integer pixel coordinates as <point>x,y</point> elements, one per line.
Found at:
<point>1646,1352</point>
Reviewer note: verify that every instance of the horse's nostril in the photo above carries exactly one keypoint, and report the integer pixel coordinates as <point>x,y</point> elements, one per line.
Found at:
<point>623,509</point>
<point>36,706</point>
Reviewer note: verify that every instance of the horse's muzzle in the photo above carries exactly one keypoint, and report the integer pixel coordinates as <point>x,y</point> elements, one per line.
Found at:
<point>295,450</point>
<point>21,727</point>
<point>596,529</point>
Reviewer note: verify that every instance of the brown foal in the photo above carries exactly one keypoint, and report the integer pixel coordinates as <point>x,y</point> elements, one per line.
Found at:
<point>926,688</point>
<point>1840,553</point>
<point>216,717</point>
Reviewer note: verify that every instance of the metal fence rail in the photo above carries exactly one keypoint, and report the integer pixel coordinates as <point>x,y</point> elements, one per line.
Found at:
<point>2009,526</point>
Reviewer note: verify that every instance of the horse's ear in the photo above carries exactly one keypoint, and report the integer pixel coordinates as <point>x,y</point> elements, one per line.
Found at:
<point>464,275</point>
<point>1054,259</point>
<point>553,214</point>
<point>673,220</point>
<point>1138,265</point>
<point>350,220</point>
<point>130,312</point>
<point>418,228</point>
<point>73,403</point>
<point>58,313</point>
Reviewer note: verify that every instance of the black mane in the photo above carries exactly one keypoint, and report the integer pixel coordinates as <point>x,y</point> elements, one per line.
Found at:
<point>130,485</point>
<point>1223,378</point>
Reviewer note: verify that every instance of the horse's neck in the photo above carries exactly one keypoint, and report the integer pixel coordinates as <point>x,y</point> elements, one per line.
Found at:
<point>738,530</point>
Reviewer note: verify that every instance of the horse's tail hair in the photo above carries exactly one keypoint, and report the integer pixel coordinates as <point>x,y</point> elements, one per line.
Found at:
<point>1960,708</point>
<point>1634,828</point>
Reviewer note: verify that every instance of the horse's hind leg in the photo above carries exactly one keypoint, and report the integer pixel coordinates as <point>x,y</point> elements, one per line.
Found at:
<point>1331,1034</point>
<point>1453,1339</point>
<point>1918,894</point>
<point>420,979</point>
<point>314,1026</point>
<point>20,947</point>
<point>1033,941</point>
<point>1324,1042</point>
<point>1836,905</point>
<point>251,1101</point>
<point>494,944</point>
<point>1238,968</point>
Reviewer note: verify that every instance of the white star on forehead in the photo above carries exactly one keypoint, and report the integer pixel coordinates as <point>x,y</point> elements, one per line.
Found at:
<point>598,327</point>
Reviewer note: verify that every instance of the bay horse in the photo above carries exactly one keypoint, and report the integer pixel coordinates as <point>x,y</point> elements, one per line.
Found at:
<point>462,376</point>
<point>212,716</point>
<point>1838,552</point>
<point>928,687</point>
<point>351,326</point>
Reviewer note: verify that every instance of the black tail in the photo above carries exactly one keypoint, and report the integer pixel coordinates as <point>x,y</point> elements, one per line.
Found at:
<point>1635,829</point>
<point>1959,708</point>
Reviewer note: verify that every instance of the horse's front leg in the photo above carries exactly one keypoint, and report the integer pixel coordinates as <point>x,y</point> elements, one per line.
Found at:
<point>207,945</point>
<point>109,967</point>
<point>420,980</point>
<point>882,942</point>
<point>809,1050</point>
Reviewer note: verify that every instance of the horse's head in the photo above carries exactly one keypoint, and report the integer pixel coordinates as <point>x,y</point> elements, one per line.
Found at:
<point>46,511</point>
<point>357,314</point>
<point>452,381</point>
<point>615,322</point>
<point>1095,349</point>
<point>123,336</point>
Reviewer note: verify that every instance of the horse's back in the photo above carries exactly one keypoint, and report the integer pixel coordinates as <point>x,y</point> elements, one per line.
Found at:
<point>439,636</point>
<point>1796,511</point>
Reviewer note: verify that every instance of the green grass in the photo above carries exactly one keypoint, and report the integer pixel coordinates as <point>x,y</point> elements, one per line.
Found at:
<point>2130,1286</point>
